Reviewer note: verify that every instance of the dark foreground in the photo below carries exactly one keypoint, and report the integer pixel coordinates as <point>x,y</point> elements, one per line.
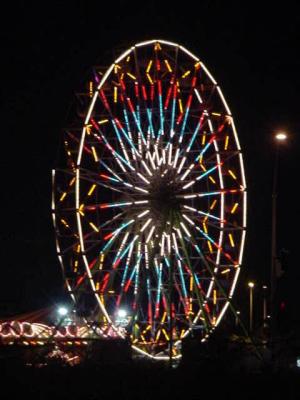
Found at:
<point>140,380</point>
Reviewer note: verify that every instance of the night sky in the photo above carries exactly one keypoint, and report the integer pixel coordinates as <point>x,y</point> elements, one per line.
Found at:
<point>46,52</point>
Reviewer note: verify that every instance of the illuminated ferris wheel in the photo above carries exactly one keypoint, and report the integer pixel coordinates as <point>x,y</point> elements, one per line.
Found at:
<point>149,202</point>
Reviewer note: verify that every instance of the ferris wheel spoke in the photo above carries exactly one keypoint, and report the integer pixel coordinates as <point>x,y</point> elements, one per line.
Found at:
<point>211,271</point>
<point>195,286</point>
<point>208,215</point>
<point>118,158</point>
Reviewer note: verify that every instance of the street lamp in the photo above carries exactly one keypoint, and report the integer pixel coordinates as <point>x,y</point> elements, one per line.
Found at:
<point>279,139</point>
<point>62,311</point>
<point>251,286</point>
<point>264,305</point>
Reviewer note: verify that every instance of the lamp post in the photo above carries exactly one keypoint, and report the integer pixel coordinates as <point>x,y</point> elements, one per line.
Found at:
<point>251,286</point>
<point>279,138</point>
<point>264,305</point>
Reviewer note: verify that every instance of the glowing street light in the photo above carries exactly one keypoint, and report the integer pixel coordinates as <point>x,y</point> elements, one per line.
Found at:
<point>122,317</point>
<point>62,311</point>
<point>279,138</point>
<point>264,305</point>
<point>122,313</point>
<point>251,286</point>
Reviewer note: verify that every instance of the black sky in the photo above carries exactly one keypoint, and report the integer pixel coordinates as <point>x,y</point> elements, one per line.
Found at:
<point>253,52</point>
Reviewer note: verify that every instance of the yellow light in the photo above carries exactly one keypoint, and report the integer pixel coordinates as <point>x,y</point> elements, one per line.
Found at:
<point>88,129</point>
<point>149,66</point>
<point>226,143</point>
<point>97,286</point>
<point>78,248</point>
<point>213,205</point>
<point>234,208</point>
<point>72,181</point>
<point>190,306</point>
<point>131,76</point>
<point>212,179</point>
<point>182,333</point>
<point>165,333</point>
<point>103,121</point>
<point>94,227</point>
<point>204,227</point>
<point>203,139</point>
<point>64,223</point>
<point>209,246</point>
<point>214,320</point>
<point>225,271</point>
<point>168,66</point>
<point>251,284</point>
<point>150,79</point>
<point>115,94</point>
<point>202,166</point>
<point>214,296</point>
<point>63,196</point>
<point>128,59</point>
<point>158,335</point>
<point>91,89</point>
<point>164,317</point>
<point>180,106</point>
<point>186,74</point>
<point>76,266</point>
<point>197,65</point>
<point>95,154</point>
<point>232,174</point>
<point>91,190</point>
<point>191,283</point>
<point>231,240</point>
<point>216,114</point>
<point>157,46</point>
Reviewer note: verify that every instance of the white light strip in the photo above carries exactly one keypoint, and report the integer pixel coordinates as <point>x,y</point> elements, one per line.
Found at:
<point>146,224</point>
<point>208,73</point>
<point>181,165</point>
<point>187,172</point>
<point>122,56</point>
<point>143,213</point>
<point>223,100</point>
<point>150,234</point>
<point>234,281</point>
<point>145,43</point>
<point>143,178</point>
<point>188,185</point>
<point>198,96</point>
<point>189,53</point>
<point>176,158</point>
<point>188,219</point>
<point>146,168</point>
<point>222,313</point>
<point>185,229</point>
<point>242,247</point>
<point>140,189</point>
